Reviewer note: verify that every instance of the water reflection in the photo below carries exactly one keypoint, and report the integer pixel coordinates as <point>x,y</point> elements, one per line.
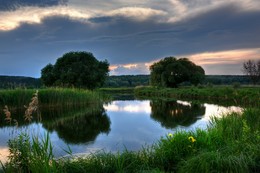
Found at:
<point>173,113</point>
<point>73,125</point>
<point>113,127</point>
<point>133,106</point>
<point>81,127</point>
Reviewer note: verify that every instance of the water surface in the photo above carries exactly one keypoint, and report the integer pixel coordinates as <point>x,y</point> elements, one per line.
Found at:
<point>112,127</point>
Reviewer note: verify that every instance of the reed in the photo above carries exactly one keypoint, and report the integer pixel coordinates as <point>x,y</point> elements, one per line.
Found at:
<point>16,97</point>
<point>62,96</point>
<point>50,97</point>
<point>29,154</point>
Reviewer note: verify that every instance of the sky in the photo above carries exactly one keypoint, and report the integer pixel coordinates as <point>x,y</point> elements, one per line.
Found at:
<point>218,35</point>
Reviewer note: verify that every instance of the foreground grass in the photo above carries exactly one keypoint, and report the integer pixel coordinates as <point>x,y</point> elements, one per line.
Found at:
<point>230,144</point>
<point>239,96</point>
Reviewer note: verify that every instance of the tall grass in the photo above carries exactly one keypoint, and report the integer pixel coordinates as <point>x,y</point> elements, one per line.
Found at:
<point>16,97</point>
<point>242,96</point>
<point>31,155</point>
<point>49,96</point>
<point>68,97</point>
<point>233,146</point>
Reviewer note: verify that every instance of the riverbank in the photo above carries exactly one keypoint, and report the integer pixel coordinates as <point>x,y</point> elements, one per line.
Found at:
<point>247,96</point>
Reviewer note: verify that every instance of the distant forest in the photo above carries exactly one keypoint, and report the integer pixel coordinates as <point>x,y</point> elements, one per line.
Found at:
<point>11,82</point>
<point>137,80</point>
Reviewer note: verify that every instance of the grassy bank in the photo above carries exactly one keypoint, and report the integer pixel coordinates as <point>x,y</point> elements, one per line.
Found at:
<point>230,144</point>
<point>239,96</point>
<point>49,96</point>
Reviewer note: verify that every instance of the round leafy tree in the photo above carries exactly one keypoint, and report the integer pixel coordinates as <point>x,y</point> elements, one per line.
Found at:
<point>169,72</point>
<point>77,69</point>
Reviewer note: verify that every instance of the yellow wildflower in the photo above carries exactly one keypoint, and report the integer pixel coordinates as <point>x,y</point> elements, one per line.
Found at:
<point>170,135</point>
<point>192,139</point>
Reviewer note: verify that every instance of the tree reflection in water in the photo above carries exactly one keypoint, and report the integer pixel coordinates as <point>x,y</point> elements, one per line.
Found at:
<point>173,113</point>
<point>74,125</point>
<point>82,126</point>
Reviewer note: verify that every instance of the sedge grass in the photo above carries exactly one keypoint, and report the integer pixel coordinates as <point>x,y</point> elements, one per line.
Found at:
<point>50,97</point>
<point>29,154</point>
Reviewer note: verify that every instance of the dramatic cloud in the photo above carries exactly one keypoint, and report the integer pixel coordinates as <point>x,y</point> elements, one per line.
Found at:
<point>211,33</point>
<point>35,15</point>
<point>7,5</point>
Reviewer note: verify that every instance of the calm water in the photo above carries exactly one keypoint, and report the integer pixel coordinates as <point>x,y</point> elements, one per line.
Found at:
<point>118,125</point>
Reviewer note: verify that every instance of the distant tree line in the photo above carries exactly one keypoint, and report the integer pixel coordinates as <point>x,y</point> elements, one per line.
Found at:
<point>144,80</point>
<point>127,81</point>
<point>227,79</point>
<point>10,82</point>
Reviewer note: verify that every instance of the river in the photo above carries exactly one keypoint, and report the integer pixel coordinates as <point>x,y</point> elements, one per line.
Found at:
<point>118,125</point>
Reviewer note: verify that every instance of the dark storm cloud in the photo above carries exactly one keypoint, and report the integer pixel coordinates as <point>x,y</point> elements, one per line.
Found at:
<point>224,28</point>
<point>123,40</point>
<point>6,5</point>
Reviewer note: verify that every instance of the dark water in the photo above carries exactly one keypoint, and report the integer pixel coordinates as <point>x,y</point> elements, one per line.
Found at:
<point>112,127</point>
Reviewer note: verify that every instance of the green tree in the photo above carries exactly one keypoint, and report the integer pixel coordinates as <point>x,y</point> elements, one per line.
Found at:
<point>169,72</point>
<point>78,69</point>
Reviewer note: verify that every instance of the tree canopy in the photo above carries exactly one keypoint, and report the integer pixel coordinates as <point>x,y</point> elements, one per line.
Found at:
<point>169,72</point>
<point>77,69</point>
